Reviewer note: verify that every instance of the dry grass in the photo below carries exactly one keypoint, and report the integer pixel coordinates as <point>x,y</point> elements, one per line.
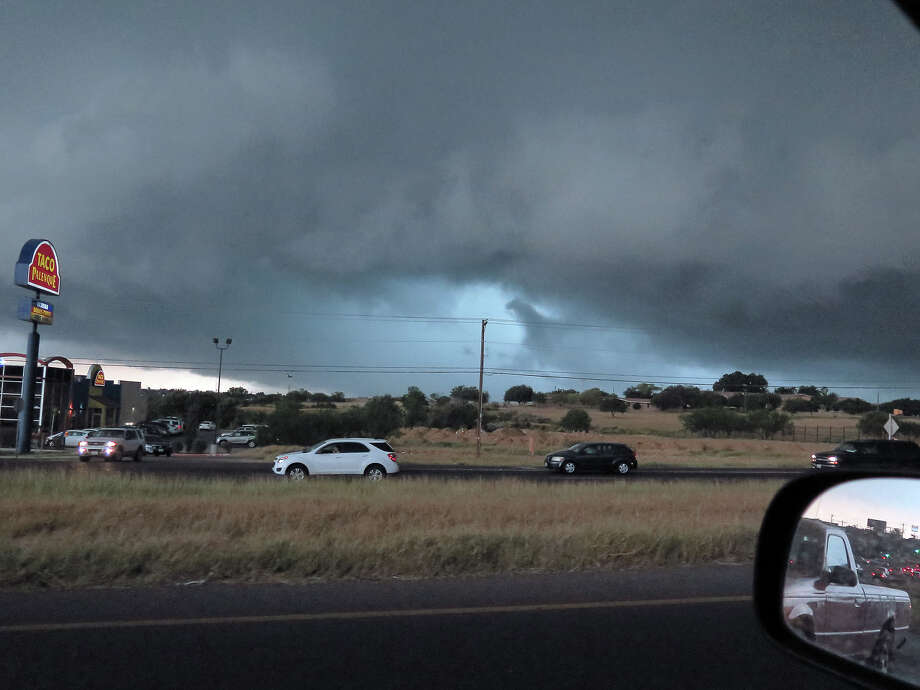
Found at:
<point>72,530</point>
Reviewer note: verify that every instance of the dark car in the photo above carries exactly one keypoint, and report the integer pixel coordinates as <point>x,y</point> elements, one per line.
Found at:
<point>874,455</point>
<point>156,439</point>
<point>583,457</point>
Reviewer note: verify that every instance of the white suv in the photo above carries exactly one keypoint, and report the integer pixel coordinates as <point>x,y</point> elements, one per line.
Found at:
<point>372,457</point>
<point>112,444</point>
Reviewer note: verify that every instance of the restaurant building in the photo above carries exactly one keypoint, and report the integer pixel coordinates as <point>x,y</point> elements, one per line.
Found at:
<point>65,399</point>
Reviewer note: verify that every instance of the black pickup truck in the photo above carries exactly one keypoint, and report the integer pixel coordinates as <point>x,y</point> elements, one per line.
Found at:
<point>869,455</point>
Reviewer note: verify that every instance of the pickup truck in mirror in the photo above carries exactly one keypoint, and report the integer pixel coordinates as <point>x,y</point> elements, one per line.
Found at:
<point>822,539</point>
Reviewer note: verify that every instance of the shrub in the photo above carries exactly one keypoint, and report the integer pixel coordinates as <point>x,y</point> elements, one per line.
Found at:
<point>576,420</point>
<point>855,406</point>
<point>613,404</point>
<point>469,394</point>
<point>592,397</point>
<point>871,423</point>
<point>794,405</point>
<point>712,421</point>
<point>767,422</point>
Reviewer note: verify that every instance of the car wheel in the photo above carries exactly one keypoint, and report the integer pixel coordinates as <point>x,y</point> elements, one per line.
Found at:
<point>168,453</point>
<point>156,453</point>
<point>138,455</point>
<point>225,445</point>
<point>297,472</point>
<point>375,473</point>
<point>569,467</point>
<point>883,650</point>
<point>251,444</point>
<point>623,467</point>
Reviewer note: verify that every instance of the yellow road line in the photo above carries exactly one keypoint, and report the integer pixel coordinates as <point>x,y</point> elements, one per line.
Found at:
<point>363,615</point>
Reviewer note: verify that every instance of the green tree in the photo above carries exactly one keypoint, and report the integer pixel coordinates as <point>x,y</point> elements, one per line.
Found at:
<point>563,396</point>
<point>643,390</point>
<point>795,405</point>
<point>677,398</point>
<point>613,404</point>
<point>855,406</point>
<point>469,394</point>
<point>415,403</point>
<point>737,382</point>
<point>810,390</point>
<point>520,394</point>
<point>785,390</point>
<point>768,422</point>
<point>382,416</point>
<point>592,397</point>
<point>576,420</point>
<point>711,399</point>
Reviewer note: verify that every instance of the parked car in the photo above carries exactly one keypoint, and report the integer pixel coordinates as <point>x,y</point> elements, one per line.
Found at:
<point>824,601</point>
<point>173,424</point>
<point>156,439</point>
<point>55,440</point>
<point>872,454</point>
<point>372,457</point>
<point>72,437</point>
<point>581,457</point>
<point>207,426</point>
<point>113,444</point>
<point>237,437</point>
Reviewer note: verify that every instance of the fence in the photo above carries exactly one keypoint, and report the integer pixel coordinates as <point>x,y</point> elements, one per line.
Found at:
<point>827,434</point>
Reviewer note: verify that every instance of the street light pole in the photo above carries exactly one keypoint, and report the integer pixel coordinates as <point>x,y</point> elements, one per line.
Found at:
<point>220,361</point>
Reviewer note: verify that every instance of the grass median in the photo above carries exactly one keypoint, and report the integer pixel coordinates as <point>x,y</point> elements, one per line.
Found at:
<point>66,529</point>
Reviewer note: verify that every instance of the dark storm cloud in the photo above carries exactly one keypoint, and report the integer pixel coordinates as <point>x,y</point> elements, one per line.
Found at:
<point>735,181</point>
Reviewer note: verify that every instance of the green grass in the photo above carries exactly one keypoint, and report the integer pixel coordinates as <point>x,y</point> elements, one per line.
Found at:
<point>79,529</point>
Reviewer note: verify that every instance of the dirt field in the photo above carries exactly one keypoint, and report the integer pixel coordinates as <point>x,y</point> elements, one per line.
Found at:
<point>512,447</point>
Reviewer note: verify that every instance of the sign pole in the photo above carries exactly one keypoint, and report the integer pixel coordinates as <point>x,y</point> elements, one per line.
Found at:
<point>27,401</point>
<point>36,269</point>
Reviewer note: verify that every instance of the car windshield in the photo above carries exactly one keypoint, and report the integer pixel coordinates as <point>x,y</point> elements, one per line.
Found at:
<point>107,433</point>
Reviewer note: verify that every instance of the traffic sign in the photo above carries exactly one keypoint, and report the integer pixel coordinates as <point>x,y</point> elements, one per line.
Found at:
<point>891,427</point>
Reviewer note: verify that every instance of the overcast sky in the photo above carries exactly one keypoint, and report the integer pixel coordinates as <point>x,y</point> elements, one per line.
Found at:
<point>718,185</point>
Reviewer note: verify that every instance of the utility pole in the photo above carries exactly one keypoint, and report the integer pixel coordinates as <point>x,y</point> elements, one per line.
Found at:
<point>482,359</point>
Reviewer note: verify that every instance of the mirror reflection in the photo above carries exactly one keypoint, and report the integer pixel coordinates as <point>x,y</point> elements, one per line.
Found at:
<point>853,570</point>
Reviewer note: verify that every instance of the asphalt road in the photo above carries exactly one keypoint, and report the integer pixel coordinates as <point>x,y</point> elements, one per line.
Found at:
<point>243,468</point>
<point>669,628</point>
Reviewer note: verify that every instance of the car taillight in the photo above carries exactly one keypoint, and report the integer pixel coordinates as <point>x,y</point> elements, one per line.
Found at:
<point>392,456</point>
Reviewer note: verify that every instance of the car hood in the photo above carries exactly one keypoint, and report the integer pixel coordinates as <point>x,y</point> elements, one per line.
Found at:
<point>563,453</point>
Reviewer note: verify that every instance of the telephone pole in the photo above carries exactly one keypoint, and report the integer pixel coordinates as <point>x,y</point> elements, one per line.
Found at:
<point>482,359</point>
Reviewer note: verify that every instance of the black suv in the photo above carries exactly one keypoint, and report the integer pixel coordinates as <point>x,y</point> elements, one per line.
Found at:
<point>593,456</point>
<point>875,455</point>
<point>156,439</point>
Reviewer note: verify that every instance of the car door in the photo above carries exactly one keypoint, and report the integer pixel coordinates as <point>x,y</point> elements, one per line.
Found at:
<point>591,457</point>
<point>329,460</point>
<point>354,457</point>
<point>845,605</point>
<point>606,456</point>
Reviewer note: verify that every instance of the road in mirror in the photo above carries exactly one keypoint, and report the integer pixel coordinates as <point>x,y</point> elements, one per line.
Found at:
<point>853,571</point>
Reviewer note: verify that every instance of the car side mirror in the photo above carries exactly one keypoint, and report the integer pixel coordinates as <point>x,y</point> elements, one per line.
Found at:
<point>863,634</point>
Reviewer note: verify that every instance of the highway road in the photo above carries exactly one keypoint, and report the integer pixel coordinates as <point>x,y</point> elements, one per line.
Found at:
<point>690,627</point>
<point>241,467</point>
